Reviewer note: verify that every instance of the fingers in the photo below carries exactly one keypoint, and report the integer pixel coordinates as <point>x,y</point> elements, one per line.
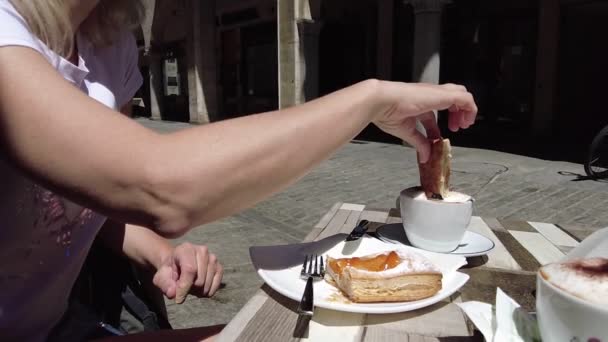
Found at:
<point>163,279</point>
<point>192,269</point>
<point>211,268</point>
<point>186,262</point>
<point>421,143</point>
<point>210,273</point>
<point>460,104</point>
<point>429,123</point>
<point>199,272</point>
<point>454,87</point>
<point>202,258</point>
<point>455,119</point>
<point>463,111</point>
<point>217,279</point>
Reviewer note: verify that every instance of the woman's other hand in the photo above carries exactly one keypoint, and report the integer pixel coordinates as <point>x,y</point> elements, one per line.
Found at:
<point>189,269</point>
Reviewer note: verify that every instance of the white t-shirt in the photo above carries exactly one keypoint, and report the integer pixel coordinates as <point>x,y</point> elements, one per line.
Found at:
<point>44,238</point>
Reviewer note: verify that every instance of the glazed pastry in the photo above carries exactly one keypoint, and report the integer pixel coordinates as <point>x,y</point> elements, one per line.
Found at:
<point>394,276</point>
<point>435,173</point>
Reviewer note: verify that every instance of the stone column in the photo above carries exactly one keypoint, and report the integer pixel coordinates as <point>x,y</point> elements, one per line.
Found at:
<point>427,42</point>
<point>546,66</point>
<point>153,60</point>
<point>148,21</point>
<point>202,74</point>
<point>384,49</point>
<point>156,86</point>
<point>427,39</point>
<point>298,49</point>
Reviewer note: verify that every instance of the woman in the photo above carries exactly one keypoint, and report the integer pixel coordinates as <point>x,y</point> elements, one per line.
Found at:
<point>66,68</point>
<point>43,238</point>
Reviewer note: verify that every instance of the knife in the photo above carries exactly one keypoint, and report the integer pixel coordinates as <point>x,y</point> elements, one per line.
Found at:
<point>359,231</point>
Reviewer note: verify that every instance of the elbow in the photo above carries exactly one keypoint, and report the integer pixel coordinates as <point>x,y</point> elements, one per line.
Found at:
<point>168,203</point>
<point>169,235</point>
<point>172,228</point>
<point>172,220</point>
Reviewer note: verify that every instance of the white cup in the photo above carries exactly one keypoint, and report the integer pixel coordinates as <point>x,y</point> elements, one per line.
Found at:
<point>435,225</point>
<point>564,317</point>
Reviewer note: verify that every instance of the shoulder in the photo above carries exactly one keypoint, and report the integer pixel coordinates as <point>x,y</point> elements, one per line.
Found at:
<point>13,27</point>
<point>14,31</point>
<point>10,19</point>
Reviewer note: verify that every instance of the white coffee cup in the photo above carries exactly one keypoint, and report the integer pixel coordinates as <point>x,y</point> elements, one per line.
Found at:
<point>435,225</point>
<point>565,317</point>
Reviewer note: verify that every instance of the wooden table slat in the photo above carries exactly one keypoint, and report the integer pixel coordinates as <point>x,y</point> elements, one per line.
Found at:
<point>494,224</point>
<point>565,249</point>
<point>374,216</point>
<point>352,207</point>
<point>499,257</point>
<point>329,326</point>
<point>328,216</point>
<point>483,283</point>
<point>523,257</point>
<point>579,233</point>
<point>393,212</point>
<point>554,234</point>
<point>374,334</point>
<point>445,318</point>
<point>392,219</point>
<point>313,235</point>
<point>520,226</point>
<point>351,222</point>
<point>335,224</point>
<point>542,249</point>
<point>234,328</point>
<point>419,338</point>
<point>276,318</point>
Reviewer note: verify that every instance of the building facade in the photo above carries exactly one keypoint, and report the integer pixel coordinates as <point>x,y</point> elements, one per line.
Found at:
<point>535,67</point>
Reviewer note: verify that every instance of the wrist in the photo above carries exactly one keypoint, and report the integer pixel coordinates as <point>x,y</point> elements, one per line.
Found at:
<point>163,252</point>
<point>376,98</point>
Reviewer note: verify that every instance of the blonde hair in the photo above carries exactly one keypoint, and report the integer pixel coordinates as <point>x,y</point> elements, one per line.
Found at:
<point>50,21</point>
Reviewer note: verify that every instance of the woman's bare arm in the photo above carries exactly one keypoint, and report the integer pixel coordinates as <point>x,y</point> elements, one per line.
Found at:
<point>97,157</point>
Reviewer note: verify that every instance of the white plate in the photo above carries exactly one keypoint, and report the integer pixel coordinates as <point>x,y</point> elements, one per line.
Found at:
<point>280,267</point>
<point>472,244</point>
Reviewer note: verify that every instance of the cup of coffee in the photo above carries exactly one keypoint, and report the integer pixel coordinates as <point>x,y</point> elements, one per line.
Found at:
<point>433,224</point>
<point>572,300</point>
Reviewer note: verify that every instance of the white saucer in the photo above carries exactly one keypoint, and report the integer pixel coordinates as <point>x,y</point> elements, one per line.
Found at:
<point>472,244</point>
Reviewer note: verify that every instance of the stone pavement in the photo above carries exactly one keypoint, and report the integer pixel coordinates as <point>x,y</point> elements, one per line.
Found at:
<point>504,185</point>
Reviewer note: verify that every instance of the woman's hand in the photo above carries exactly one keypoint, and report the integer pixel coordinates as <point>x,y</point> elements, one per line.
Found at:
<point>189,269</point>
<point>406,103</point>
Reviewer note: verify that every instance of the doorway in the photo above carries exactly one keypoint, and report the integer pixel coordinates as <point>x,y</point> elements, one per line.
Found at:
<point>249,69</point>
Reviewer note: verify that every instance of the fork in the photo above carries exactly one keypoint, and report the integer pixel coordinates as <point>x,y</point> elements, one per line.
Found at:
<point>312,268</point>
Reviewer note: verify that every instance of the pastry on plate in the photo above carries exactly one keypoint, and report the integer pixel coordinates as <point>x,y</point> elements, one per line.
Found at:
<point>435,173</point>
<point>394,276</point>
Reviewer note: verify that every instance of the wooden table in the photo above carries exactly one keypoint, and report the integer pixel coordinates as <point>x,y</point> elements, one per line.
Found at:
<point>521,247</point>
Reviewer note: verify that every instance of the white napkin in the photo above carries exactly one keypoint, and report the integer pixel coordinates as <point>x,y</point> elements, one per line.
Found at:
<point>504,322</point>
